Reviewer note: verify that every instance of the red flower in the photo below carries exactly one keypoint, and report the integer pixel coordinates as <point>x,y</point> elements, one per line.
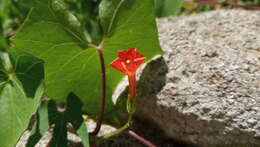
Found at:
<point>127,62</point>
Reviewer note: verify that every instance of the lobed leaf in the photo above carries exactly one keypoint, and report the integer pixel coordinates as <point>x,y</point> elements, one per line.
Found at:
<point>72,67</point>
<point>17,103</point>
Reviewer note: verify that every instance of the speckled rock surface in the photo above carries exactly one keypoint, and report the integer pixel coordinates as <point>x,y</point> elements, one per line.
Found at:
<point>205,89</point>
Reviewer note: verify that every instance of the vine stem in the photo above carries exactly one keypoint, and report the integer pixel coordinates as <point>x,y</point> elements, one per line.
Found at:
<point>141,139</point>
<point>103,96</point>
<point>116,132</point>
<point>130,132</point>
<point>102,105</point>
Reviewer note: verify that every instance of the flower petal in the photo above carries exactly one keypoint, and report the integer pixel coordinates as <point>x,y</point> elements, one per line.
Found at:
<point>128,61</point>
<point>123,54</point>
<point>117,64</point>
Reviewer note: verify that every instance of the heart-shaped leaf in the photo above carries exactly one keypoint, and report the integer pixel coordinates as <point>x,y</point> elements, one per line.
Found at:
<point>70,65</point>
<point>18,72</point>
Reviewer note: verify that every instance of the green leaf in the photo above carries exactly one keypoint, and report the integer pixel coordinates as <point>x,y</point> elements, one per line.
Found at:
<point>168,7</point>
<point>87,12</point>
<point>73,112</point>
<point>41,126</point>
<point>74,116</point>
<point>67,63</point>
<point>71,67</point>
<point>132,25</point>
<point>17,103</point>
<point>23,6</point>
<point>52,116</point>
<point>3,42</point>
<point>59,137</point>
<point>83,134</point>
<point>5,8</point>
<point>48,115</point>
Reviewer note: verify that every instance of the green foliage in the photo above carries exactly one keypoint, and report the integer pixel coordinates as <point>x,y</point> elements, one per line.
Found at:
<point>82,132</point>
<point>167,7</point>
<point>73,115</point>
<point>60,45</point>
<point>4,11</point>
<point>71,65</point>
<point>87,12</point>
<point>3,43</point>
<point>48,115</point>
<point>59,138</point>
<point>18,100</point>
<point>41,125</point>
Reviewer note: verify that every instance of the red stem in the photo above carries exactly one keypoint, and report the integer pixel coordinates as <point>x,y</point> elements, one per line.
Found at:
<point>141,139</point>
<point>102,98</point>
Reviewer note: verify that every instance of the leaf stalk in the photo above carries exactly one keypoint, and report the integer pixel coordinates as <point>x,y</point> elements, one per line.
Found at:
<point>103,96</point>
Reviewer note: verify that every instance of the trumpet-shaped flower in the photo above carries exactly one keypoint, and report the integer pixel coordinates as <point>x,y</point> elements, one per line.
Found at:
<point>128,62</point>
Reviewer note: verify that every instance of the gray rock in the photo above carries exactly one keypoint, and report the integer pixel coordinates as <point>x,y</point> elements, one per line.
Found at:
<point>205,89</point>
